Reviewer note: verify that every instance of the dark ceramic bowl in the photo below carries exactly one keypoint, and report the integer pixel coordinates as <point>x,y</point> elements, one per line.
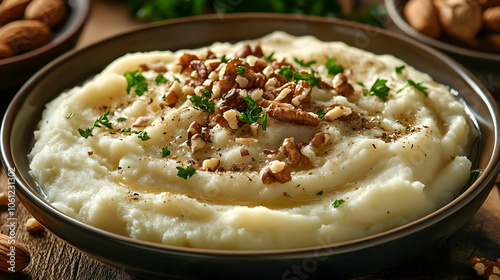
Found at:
<point>147,259</point>
<point>18,69</point>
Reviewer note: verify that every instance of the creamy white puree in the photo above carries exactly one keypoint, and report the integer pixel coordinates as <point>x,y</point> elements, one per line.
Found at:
<point>119,183</point>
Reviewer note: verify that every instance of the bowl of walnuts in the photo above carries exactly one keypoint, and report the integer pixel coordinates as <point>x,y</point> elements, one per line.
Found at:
<point>469,30</point>
<point>33,32</point>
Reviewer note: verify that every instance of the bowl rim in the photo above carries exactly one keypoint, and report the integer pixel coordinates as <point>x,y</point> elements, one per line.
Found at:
<point>82,14</point>
<point>395,13</point>
<point>482,181</point>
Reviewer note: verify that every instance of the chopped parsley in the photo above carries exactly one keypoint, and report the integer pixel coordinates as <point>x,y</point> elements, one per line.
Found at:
<point>319,193</point>
<point>165,151</point>
<point>361,84</point>
<point>337,203</point>
<point>379,89</point>
<point>224,59</point>
<point>137,80</point>
<point>185,173</point>
<point>417,86</point>
<point>269,58</point>
<point>127,130</point>
<point>253,114</point>
<point>321,114</point>
<point>333,69</point>
<point>302,63</point>
<point>240,70</point>
<point>102,120</point>
<point>160,79</point>
<point>142,134</point>
<point>296,76</point>
<point>203,102</point>
<point>399,69</point>
<point>474,173</point>
<point>70,115</point>
<point>121,119</point>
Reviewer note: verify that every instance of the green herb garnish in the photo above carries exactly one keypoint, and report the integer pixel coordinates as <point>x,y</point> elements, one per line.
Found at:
<point>121,119</point>
<point>86,133</point>
<point>417,86</point>
<point>165,151</point>
<point>240,70</point>
<point>185,172</point>
<point>333,69</point>
<point>269,58</point>
<point>160,79</point>
<point>321,114</point>
<point>379,89</point>
<point>302,63</point>
<point>142,134</point>
<point>337,203</point>
<point>252,114</point>
<point>137,80</point>
<point>202,102</point>
<point>399,69</point>
<point>224,59</point>
<point>70,115</point>
<point>319,193</point>
<point>102,120</point>
<point>127,130</point>
<point>206,93</point>
<point>474,173</point>
<point>296,76</point>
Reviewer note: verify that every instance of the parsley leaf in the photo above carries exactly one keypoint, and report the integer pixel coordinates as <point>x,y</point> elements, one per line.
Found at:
<point>121,119</point>
<point>86,133</point>
<point>302,63</point>
<point>252,114</point>
<point>202,102</point>
<point>399,69</point>
<point>185,173</point>
<point>160,79</point>
<point>379,89</point>
<point>142,134</point>
<point>319,193</point>
<point>321,114</point>
<point>333,69</point>
<point>224,59</point>
<point>127,130</point>
<point>287,72</point>
<point>417,86</point>
<point>240,70</point>
<point>136,79</point>
<point>104,121</point>
<point>337,203</point>
<point>296,76</point>
<point>269,58</point>
<point>165,151</point>
<point>474,173</point>
<point>70,115</point>
<point>206,93</point>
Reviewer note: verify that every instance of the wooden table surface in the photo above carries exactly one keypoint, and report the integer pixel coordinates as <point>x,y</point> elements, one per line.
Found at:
<point>54,259</point>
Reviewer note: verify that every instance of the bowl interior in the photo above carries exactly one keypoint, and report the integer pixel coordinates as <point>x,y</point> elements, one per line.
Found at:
<point>75,67</point>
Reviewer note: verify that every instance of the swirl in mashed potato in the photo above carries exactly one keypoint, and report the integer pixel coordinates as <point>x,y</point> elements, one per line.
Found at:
<point>279,142</point>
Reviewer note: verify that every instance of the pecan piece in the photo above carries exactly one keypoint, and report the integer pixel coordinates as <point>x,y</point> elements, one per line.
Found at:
<point>337,111</point>
<point>293,153</point>
<point>246,50</point>
<point>276,172</point>
<point>233,100</point>
<point>200,67</point>
<point>297,94</point>
<point>255,80</point>
<point>485,268</point>
<point>342,86</point>
<point>289,114</point>
<point>320,139</point>
<point>185,60</point>
<point>197,136</point>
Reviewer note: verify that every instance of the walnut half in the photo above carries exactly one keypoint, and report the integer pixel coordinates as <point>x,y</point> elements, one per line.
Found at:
<point>289,114</point>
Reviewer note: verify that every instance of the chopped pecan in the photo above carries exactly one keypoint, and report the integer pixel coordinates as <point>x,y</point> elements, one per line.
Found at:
<point>276,172</point>
<point>244,152</point>
<point>200,67</point>
<point>485,268</point>
<point>197,136</point>
<point>293,154</point>
<point>211,55</point>
<point>246,50</point>
<point>337,111</point>
<point>194,128</point>
<point>185,60</point>
<point>211,164</point>
<point>233,100</point>
<point>342,86</point>
<point>255,80</point>
<point>259,66</point>
<point>320,139</point>
<point>141,122</point>
<point>155,66</point>
<point>297,94</point>
<point>197,142</point>
<point>289,114</point>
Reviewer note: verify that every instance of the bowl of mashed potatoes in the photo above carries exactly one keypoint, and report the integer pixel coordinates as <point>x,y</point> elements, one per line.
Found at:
<point>256,146</point>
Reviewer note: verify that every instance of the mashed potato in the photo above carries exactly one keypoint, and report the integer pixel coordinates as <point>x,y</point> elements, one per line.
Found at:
<point>280,142</point>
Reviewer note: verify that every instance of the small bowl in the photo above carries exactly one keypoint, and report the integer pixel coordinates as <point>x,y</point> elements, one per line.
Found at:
<point>395,11</point>
<point>340,260</point>
<point>18,69</point>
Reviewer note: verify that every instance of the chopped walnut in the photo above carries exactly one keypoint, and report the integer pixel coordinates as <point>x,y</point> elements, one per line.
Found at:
<point>485,268</point>
<point>186,59</point>
<point>197,136</point>
<point>342,86</point>
<point>233,100</point>
<point>276,172</point>
<point>158,67</point>
<point>246,50</point>
<point>289,114</point>
<point>297,94</point>
<point>320,139</point>
<point>231,117</point>
<point>141,122</point>
<point>200,68</point>
<point>211,164</point>
<point>336,111</point>
<point>246,140</point>
<point>293,153</point>
<point>197,143</point>
<point>244,152</point>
